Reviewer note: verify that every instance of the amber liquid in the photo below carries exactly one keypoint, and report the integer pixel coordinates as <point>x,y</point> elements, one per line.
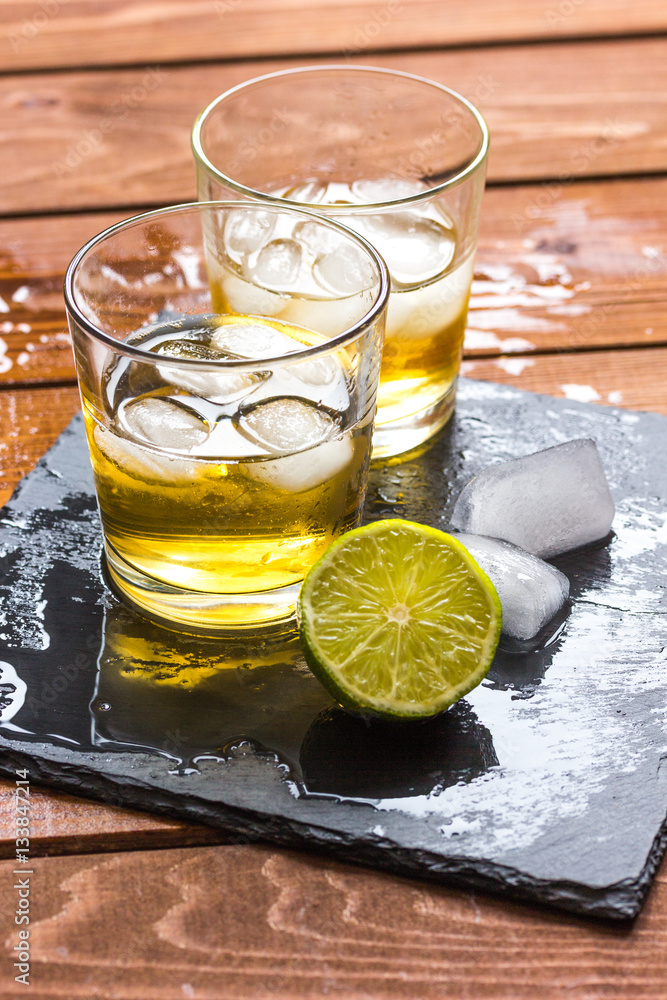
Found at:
<point>217,514</point>
<point>427,312</point>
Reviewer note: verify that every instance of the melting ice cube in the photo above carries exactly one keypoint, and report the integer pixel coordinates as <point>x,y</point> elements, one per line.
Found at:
<point>254,340</point>
<point>386,189</point>
<point>142,463</point>
<point>317,238</point>
<point>321,380</point>
<point>546,503</point>
<point>530,590</point>
<point>246,232</point>
<point>277,265</point>
<point>415,248</point>
<point>344,271</point>
<point>286,425</point>
<point>302,433</point>
<point>329,317</point>
<point>244,297</point>
<point>163,423</point>
<point>219,386</point>
<point>310,193</point>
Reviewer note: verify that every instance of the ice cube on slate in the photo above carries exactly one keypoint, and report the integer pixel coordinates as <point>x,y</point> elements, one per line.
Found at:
<point>530,590</point>
<point>546,503</point>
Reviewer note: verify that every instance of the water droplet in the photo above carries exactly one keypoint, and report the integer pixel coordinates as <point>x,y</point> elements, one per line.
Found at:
<point>241,748</point>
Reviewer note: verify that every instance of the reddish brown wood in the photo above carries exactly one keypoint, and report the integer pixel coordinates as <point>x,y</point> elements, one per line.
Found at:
<point>571,267</point>
<point>30,421</point>
<point>565,266</point>
<point>121,137</point>
<point>89,32</point>
<point>35,345</point>
<point>633,379</point>
<point>581,267</point>
<point>222,923</point>
<point>62,824</point>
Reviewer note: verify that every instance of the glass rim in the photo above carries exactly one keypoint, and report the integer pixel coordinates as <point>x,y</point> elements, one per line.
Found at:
<point>247,364</point>
<point>333,210</point>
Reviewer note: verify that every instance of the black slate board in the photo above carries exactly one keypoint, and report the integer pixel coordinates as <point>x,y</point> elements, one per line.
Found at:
<point>547,783</point>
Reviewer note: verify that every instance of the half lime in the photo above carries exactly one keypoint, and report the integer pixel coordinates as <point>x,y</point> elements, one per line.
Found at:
<point>397,620</point>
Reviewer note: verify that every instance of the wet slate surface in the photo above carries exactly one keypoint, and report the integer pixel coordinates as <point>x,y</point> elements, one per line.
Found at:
<point>547,783</point>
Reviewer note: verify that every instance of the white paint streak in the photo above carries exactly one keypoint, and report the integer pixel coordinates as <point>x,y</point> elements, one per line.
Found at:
<point>581,393</point>
<point>485,339</point>
<point>514,366</point>
<point>5,362</point>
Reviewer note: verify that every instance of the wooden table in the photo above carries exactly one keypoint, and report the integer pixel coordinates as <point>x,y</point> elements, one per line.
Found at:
<point>97,100</point>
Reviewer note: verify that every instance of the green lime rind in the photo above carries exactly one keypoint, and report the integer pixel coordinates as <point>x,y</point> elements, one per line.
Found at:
<point>397,620</point>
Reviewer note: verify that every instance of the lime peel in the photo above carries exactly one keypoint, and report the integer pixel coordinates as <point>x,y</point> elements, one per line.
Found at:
<point>397,620</point>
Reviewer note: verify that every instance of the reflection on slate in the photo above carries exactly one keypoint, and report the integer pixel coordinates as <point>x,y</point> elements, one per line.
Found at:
<point>359,759</point>
<point>544,783</point>
<point>189,699</point>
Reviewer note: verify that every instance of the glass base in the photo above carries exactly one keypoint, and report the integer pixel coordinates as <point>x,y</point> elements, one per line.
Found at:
<point>195,611</point>
<point>407,434</point>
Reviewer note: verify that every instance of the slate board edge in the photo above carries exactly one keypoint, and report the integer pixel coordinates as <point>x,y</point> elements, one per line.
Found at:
<point>619,902</point>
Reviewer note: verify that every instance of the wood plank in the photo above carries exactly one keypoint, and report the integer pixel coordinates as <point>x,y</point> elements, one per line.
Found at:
<point>62,824</point>
<point>221,923</point>
<point>30,421</point>
<point>103,139</point>
<point>632,379</point>
<point>35,344</point>
<point>583,267</point>
<point>569,267</point>
<point>56,33</point>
